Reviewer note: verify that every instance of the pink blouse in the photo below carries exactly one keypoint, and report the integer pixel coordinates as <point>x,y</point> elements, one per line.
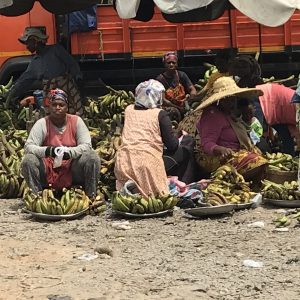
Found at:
<point>215,130</point>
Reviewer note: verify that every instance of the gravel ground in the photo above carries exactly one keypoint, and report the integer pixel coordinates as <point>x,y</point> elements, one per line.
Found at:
<point>165,258</point>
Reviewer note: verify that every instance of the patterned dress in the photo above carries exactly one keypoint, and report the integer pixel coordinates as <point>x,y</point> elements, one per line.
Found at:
<point>140,157</point>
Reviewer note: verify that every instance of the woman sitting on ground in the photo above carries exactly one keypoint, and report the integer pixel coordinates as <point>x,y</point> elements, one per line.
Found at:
<point>223,137</point>
<point>146,132</point>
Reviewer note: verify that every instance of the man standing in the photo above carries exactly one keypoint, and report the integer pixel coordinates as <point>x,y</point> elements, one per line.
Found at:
<point>51,67</point>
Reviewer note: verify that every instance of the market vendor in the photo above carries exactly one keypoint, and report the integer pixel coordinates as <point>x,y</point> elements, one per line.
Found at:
<point>273,109</point>
<point>178,86</point>
<point>223,137</point>
<point>147,131</point>
<point>51,67</point>
<point>58,150</point>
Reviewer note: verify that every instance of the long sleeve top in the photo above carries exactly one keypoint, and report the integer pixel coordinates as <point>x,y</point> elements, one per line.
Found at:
<point>52,61</point>
<point>37,135</point>
<point>215,130</point>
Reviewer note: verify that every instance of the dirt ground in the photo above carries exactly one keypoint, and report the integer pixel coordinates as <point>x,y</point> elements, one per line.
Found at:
<point>166,258</point>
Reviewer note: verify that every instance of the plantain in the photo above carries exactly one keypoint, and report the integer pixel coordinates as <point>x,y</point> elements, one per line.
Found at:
<point>144,203</point>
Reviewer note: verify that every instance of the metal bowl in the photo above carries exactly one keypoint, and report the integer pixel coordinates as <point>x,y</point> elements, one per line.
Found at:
<point>211,210</point>
<point>47,217</point>
<point>282,203</point>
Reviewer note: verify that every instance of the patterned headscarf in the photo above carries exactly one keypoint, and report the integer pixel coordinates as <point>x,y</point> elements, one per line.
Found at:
<point>170,56</point>
<point>149,94</point>
<point>57,94</point>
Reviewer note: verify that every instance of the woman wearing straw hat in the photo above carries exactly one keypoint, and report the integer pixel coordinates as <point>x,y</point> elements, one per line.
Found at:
<point>221,134</point>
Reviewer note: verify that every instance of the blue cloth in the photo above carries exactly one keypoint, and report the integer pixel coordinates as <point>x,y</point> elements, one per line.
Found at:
<point>83,20</point>
<point>296,97</point>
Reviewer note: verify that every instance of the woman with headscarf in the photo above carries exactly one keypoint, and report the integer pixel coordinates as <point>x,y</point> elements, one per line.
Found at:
<point>223,137</point>
<point>179,87</point>
<point>147,130</point>
<point>58,150</point>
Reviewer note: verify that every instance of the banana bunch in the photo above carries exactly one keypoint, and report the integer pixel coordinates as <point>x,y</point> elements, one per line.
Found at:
<point>115,103</point>
<point>6,119</point>
<point>276,191</point>
<point>142,205</point>
<point>11,186</point>
<point>108,108</point>
<point>215,199</point>
<point>97,205</point>
<point>282,221</point>
<point>5,88</point>
<point>281,162</point>
<point>229,174</point>
<point>227,186</point>
<point>24,114</point>
<point>72,201</point>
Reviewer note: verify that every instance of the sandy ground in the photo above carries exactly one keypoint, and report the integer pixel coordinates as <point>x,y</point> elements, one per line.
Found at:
<point>166,258</point>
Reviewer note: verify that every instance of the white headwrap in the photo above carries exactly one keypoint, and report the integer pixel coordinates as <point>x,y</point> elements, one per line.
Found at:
<point>148,94</point>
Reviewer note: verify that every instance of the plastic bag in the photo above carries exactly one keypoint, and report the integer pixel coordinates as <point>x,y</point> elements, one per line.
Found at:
<point>59,152</point>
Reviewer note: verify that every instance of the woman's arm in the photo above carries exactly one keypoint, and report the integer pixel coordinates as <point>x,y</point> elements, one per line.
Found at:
<point>168,138</point>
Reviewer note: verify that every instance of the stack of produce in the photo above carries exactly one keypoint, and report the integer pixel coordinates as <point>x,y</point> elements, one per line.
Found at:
<point>142,205</point>
<point>227,186</point>
<point>108,110</point>
<point>97,205</point>
<point>281,162</point>
<point>12,183</point>
<point>276,191</point>
<point>71,202</point>
<point>5,88</point>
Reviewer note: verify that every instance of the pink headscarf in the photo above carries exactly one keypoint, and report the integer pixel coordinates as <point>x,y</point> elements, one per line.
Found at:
<point>170,56</point>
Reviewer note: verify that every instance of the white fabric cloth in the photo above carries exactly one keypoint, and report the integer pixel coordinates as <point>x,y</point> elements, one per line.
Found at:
<point>127,9</point>
<point>178,6</point>
<point>149,94</point>
<point>267,12</point>
<point>5,3</point>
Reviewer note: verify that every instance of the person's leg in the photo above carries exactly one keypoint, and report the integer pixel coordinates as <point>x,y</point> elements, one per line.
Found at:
<point>86,171</point>
<point>33,170</point>
<point>176,163</point>
<point>286,138</point>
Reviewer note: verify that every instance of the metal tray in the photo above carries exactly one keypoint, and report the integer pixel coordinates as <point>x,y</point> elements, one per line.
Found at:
<point>282,203</point>
<point>47,217</point>
<point>239,206</point>
<point>144,216</point>
<point>210,211</point>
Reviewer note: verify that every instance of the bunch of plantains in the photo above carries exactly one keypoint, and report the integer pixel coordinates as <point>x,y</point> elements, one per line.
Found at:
<point>12,183</point>
<point>5,88</point>
<point>97,205</point>
<point>227,186</point>
<point>281,162</point>
<point>276,191</point>
<point>72,201</point>
<point>142,205</point>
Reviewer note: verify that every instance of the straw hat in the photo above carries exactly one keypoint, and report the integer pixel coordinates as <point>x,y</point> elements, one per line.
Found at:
<point>225,87</point>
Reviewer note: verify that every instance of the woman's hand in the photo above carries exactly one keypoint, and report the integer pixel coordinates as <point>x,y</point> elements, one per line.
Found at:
<point>223,151</point>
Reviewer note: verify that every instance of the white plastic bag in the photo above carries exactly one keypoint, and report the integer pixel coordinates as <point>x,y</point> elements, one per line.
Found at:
<point>59,152</point>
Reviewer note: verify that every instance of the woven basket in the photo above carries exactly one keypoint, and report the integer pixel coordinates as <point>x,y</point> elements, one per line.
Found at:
<point>281,176</point>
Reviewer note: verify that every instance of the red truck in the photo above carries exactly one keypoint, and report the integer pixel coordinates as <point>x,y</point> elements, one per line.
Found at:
<point>124,52</point>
